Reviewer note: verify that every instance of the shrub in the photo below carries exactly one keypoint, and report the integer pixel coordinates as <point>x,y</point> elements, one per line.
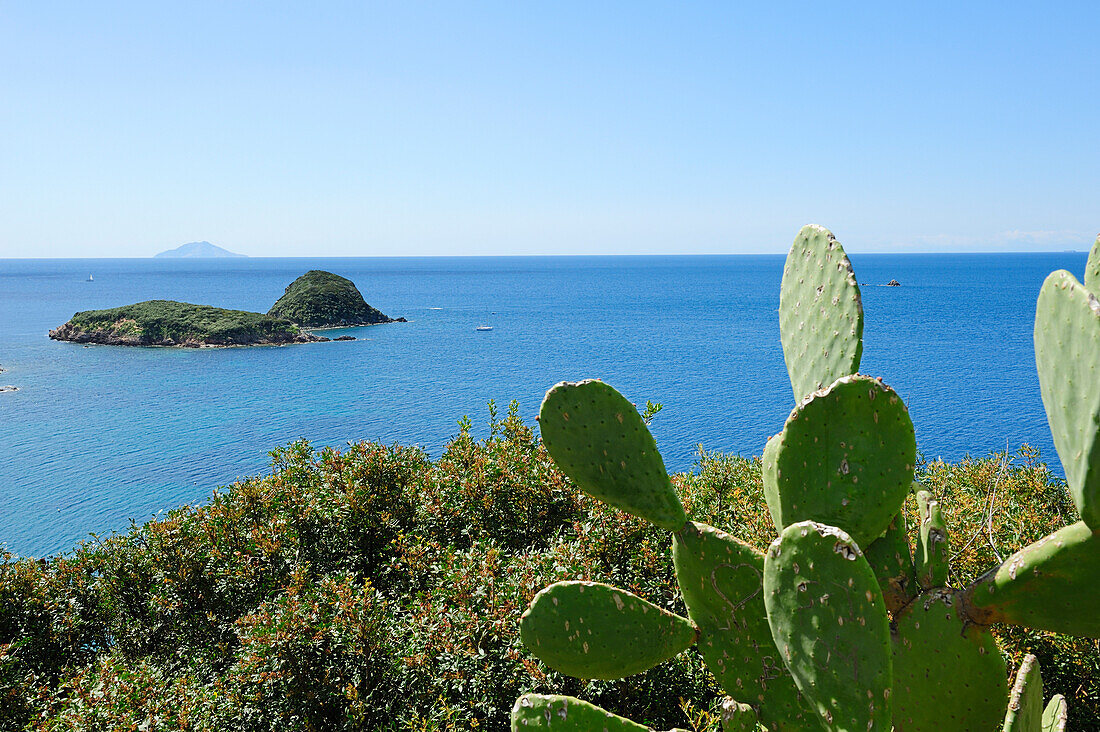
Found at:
<point>373,588</point>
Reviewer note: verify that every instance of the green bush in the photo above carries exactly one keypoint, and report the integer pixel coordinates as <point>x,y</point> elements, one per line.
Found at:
<point>374,588</point>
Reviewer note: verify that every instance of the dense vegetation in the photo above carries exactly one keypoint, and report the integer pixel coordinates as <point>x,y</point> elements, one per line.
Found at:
<point>170,323</point>
<point>377,589</point>
<point>320,299</point>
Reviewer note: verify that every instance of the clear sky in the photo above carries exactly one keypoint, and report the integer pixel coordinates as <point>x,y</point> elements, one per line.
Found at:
<point>406,128</point>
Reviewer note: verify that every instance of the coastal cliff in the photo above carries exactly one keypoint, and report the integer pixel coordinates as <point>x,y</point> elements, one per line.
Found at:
<point>170,323</point>
<point>320,299</point>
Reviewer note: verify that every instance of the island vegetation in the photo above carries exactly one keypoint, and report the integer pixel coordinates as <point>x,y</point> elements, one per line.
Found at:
<point>170,323</point>
<point>320,299</point>
<point>317,299</point>
<point>375,588</point>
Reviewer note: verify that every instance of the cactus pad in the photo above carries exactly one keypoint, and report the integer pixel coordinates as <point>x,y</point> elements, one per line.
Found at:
<point>595,631</point>
<point>738,717</point>
<point>948,674</point>
<point>771,484</point>
<point>1092,269</point>
<point>1025,701</point>
<point>845,458</point>
<point>892,563</point>
<point>1048,585</point>
<point>1055,715</point>
<point>566,714</point>
<point>820,312</point>
<point>829,623</point>
<point>1067,355</point>
<point>599,440</point>
<point>721,580</point>
<point>932,543</point>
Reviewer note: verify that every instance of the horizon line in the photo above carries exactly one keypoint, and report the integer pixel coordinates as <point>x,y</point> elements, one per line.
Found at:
<point>533,256</point>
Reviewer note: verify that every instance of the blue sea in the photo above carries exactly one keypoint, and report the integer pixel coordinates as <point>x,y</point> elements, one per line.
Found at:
<point>98,436</point>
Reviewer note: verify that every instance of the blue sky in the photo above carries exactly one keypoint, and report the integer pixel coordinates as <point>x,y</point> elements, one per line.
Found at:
<point>357,129</point>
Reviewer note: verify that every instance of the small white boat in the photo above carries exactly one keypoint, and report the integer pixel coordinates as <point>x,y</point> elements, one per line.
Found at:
<point>89,279</point>
<point>484,327</point>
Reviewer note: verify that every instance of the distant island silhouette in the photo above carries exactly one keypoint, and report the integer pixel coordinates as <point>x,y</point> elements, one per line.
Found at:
<point>198,250</point>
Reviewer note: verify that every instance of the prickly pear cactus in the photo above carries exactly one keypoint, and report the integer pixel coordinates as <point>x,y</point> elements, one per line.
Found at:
<point>845,458</point>
<point>892,563</point>
<point>820,312</point>
<point>932,543</point>
<point>600,441</point>
<point>1031,588</point>
<point>721,579</point>
<point>566,714</point>
<point>738,717</point>
<point>838,626</point>
<point>1092,269</point>
<point>829,623</point>
<point>594,631</point>
<point>1055,715</point>
<point>1025,701</point>
<point>935,645</point>
<point>1067,355</point>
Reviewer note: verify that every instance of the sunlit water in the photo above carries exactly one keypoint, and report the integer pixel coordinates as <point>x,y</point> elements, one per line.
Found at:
<point>100,435</point>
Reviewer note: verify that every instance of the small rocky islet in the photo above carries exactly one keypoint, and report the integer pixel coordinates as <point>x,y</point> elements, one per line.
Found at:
<point>317,299</point>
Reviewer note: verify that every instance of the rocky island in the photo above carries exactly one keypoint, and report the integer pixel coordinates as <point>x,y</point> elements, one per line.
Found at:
<point>317,299</point>
<point>320,299</point>
<point>170,323</point>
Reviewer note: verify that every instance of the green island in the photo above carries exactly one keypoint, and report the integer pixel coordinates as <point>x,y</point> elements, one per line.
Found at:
<point>315,300</point>
<point>171,323</point>
<point>320,299</point>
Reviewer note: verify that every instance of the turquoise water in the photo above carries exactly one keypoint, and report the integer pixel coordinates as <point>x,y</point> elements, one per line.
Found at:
<point>100,435</point>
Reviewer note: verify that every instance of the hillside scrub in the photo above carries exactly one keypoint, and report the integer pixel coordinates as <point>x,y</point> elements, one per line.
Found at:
<point>374,588</point>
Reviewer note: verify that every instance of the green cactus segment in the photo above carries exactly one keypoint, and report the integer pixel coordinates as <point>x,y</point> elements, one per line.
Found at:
<point>932,543</point>
<point>566,714</point>
<point>721,580</point>
<point>595,631</point>
<point>738,717</point>
<point>1067,355</point>
<point>828,621</point>
<point>845,458</point>
<point>820,312</point>
<point>1092,269</point>
<point>1025,701</point>
<point>1056,715</point>
<point>599,440</point>
<point>892,563</point>
<point>771,484</point>
<point>1049,585</point>
<point>948,673</point>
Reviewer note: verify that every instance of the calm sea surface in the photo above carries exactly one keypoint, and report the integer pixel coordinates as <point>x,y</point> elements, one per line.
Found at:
<point>96,436</point>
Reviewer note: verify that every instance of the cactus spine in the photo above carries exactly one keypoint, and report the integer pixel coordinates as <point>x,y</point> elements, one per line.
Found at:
<point>838,626</point>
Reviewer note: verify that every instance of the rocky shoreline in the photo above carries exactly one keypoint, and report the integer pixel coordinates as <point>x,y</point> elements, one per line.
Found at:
<point>75,334</point>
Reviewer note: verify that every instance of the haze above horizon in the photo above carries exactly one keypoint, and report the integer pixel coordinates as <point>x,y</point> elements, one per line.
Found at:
<point>347,129</point>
